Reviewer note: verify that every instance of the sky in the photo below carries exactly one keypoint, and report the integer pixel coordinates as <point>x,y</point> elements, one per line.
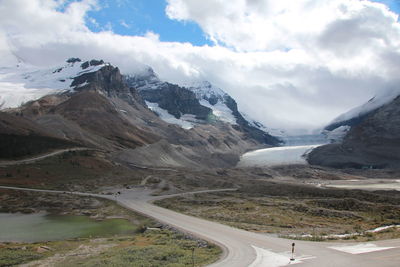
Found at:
<point>289,64</point>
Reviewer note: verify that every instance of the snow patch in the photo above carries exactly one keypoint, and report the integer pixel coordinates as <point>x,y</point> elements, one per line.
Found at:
<point>81,85</point>
<point>220,110</point>
<point>360,248</point>
<point>204,90</point>
<point>272,259</point>
<point>337,134</point>
<point>272,131</point>
<point>382,228</point>
<point>379,100</point>
<point>15,94</point>
<point>276,156</point>
<point>186,121</point>
<point>343,236</point>
<point>24,82</point>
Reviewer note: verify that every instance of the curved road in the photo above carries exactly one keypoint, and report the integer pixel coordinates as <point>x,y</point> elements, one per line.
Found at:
<point>243,249</point>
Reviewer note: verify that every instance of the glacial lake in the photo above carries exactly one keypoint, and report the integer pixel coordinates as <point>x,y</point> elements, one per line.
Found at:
<point>17,227</point>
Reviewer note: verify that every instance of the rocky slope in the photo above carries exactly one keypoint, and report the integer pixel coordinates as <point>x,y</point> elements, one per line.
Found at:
<point>97,108</point>
<point>194,104</point>
<point>338,128</point>
<point>373,142</point>
<point>22,137</point>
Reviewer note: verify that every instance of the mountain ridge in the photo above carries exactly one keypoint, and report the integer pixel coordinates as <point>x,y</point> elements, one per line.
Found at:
<point>201,99</point>
<point>374,142</point>
<point>98,109</point>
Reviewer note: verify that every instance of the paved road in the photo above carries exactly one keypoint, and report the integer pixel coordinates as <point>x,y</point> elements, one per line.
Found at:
<point>37,158</point>
<point>242,248</point>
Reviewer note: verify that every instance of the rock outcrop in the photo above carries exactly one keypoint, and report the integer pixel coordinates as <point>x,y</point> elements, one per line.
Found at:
<point>374,142</point>
<point>206,102</point>
<point>177,101</point>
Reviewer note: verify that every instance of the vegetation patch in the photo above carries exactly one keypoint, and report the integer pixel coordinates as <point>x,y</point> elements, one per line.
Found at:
<point>153,248</point>
<point>156,246</point>
<point>307,216</point>
<point>148,249</point>
<point>13,255</point>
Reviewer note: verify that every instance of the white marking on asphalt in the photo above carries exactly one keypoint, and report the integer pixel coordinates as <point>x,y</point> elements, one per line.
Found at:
<point>271,259</point>
<point>360,248</point>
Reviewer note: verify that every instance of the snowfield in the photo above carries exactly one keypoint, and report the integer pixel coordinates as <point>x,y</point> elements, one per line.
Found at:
<point>186,121</point>
<point>276,156</point>
<point>221,111</point>
<point>24,82</point>
<point>379,100</point>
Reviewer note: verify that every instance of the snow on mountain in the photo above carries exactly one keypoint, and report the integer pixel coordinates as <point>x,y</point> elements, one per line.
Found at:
<point>186,121</point>
<point>214,98</point>
<point>337,135</point>
<point>25,82</point>
<point>273,131</point>
<point>145,79</point>
<point>220,110</point>
<point>205,90</point>
<point>198,98</point>
<point>379,100</point>
<point>208,95</point>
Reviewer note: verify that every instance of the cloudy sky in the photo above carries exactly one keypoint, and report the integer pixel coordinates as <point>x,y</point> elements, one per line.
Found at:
<point>289,64</point>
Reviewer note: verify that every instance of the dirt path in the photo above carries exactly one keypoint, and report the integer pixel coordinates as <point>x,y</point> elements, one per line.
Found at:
<point>41,157</point>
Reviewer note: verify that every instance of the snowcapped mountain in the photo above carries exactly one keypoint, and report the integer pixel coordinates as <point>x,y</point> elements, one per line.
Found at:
<point>337,130</point>
<point>356,115</point>
<point>213,98</point>
<point>91,105</point>
<point>24,82</point>
<point>365,137</point>
<point>207,95</point>
<point>374,142</point>
<point>193,103</point>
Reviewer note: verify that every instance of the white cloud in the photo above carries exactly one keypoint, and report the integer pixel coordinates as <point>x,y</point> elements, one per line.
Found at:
<point>289,64</point>
<point>124,24</point>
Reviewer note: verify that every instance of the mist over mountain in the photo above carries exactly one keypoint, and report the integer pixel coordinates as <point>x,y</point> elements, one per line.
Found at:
<point>367,136</point>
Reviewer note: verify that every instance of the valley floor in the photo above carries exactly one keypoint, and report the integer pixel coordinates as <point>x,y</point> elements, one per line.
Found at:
<point>146,243</point>
<point>288,201</point>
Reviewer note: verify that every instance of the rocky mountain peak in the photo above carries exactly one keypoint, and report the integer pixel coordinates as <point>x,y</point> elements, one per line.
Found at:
<point>205,90</point>
<point>201,99</point>
<point>107,80</point>
<point>92,62</point>
<point>73,60</point>
<point>144,80</point>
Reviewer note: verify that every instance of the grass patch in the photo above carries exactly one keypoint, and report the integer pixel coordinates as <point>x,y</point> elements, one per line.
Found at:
<point>289,216</point>
<point>163,248</point>
<point>10,256</point>
<point>149,249</point>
